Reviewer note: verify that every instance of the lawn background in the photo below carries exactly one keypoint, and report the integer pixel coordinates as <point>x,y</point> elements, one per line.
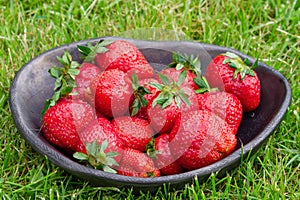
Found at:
<point>269,30</point>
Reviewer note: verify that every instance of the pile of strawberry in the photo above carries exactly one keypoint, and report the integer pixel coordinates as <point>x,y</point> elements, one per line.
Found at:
<point>114,113</point>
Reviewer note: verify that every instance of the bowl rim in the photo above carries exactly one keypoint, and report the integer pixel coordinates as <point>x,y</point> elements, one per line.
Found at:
<point>74,167</point>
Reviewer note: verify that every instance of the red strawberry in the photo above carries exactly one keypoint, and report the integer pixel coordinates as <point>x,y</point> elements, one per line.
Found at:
<point>112,91</point>
<point>87,72</point>
<point>226,105</point>
<point>200,138</point>
<point>231,74</point>
<point>100,130</point>
<point>136,163</point>
<point>135,132</point>
<point>118,54</point>
<point>64,121</point>
<point>171,101</point>
<point>159,150</point>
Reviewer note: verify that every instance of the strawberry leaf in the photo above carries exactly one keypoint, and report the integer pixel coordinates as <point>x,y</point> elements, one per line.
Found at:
<point>255,64</point>
<point>109,169</point>
<point>184,98</point>
<point>151,149</point>
<point>240,66</point>
<point>65,79</point>
<point>164,79</point>
<point>138,94</point>
<point>84,50</point>
<point>186,62</point>
<point>56,72</point>
<point>230,55</point>
<point>97,158</point>
<point>203,85</point>
<point>181,77</point>
<point>156,85</point>
<point>89,52</point>
<point>177,101</point>
<point>80,156</point>
<point>73,72</point>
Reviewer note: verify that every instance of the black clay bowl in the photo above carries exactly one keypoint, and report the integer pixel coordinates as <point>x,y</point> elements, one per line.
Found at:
<point>33,85</point>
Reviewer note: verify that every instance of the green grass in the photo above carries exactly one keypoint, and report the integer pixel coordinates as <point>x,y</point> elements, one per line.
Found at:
<point>269,30</point>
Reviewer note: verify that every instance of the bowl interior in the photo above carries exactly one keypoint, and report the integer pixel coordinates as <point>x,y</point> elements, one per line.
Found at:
<point>33,85</point>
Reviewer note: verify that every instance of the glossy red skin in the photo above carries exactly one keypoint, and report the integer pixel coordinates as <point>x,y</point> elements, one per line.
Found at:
<point>64,121</point>
<point>149,97</point>
<point>134,132</point>
<point>226,105</point>
<point>101,129</point>
<point>136,163</point>
<point>162,119</point>
<point>247,90</point>
<point>173,74</point>
<point>88,72</point>
<point>125,56</point>
<point>112,91</point>
<point>164,160</point>
<point>201,138</point>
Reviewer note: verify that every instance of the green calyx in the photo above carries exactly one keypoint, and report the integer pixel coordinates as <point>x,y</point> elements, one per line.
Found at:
<point>65,79</point>
<point>97,158</point>
<point>241,66</point>
<point>187,62</point>
<point>138,94</point>
<point>203,85</point>
<point>170,91</point>
<point>89,52</point>
<point>150,149</point>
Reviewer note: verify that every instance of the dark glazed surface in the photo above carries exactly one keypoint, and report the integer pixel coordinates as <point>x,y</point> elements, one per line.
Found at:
<point>32,86</point>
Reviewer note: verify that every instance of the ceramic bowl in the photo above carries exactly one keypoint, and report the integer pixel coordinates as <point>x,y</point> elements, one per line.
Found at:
<point>32,85</point>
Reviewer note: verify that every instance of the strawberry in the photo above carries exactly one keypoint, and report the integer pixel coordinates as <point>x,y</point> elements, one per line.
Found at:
<point>87,72</point>
<point>118,54</point>
<point>200,138</point>
<point>134,132</point>
<point>225,105</point>
<point>159,150</point>
<point>112,91</point>
<point>231,74</point>
<point>64,121</point>
<point>171,101</point>
<point>100,130</point>
<point>136,163</point>
<point>63,118</point>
